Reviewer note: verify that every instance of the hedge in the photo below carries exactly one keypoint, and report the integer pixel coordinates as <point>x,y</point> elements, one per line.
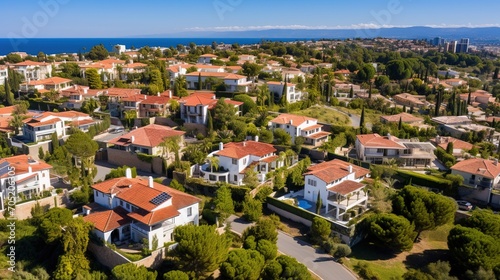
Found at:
<point>145,157</point>
<point>428,181</point>
<point>357,162</point>
<point>344,230</point>
<point>201,186</point>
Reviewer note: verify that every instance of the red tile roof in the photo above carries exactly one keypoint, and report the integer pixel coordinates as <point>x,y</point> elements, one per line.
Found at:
<point>148,136</point>
<point>377,141</point>
<point>31,63</point>
<point>21,163</point>
<point>442,141</point>
<point>242,149</point>
<point>49,81</point>
<point>108,220</point>
<point>317,135</point>
<point>294,120</point>
<point>137,192</point>
<point>336,169</point>
<point>405,117</point>
<point>199,98</point>
<point>346,187</point>
<point>478,166</point>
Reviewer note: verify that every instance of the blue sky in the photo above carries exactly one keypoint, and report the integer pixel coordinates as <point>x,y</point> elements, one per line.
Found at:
<point>107,18</point>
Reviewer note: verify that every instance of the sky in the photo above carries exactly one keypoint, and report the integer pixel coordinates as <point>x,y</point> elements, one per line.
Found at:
<point>110,18</point>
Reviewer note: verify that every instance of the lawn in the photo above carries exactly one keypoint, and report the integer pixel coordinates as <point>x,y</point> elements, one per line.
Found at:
<point>371,116</point>
<point>325,115</point>
<point>386,265</point>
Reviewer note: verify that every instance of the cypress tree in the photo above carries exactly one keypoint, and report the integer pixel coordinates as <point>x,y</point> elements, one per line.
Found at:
<point>9,97</point>
<point>495,74</point>
<point>319,204</point>
<point>404,108</point>
<point>438,104</point>
<point>469,96</point>
<point>284,100</point>
<point>370,92</point>
<point>362,120</point>
<point>210,124</point>
<point>199,81</point>
<point>400,124</point>
<point>449,148</point>
<point>493,123</point>
<point>411,109</point>
<point>351,93</point>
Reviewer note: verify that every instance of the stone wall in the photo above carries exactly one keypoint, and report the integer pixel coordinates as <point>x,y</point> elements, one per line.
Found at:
<point>121,158</point>
<point>106,256</point>
<point>23,210</point>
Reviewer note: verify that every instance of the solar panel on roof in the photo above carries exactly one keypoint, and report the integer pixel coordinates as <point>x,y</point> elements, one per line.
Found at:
<point>159,199</point>
<point>4,168</point>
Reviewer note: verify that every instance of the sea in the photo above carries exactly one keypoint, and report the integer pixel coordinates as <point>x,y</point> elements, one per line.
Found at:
<point>74,45</point>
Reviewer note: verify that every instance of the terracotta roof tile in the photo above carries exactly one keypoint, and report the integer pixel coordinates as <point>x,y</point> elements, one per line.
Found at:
<point>375,140</point>
<point>295,120</point>
<point>242,149</point>
<point>336,169</point>
<point>405,117</point>
<point>21,163</point>
<point>443,141</point>
<point>148,136</point>
<point>478,166</point>
<point>346,187</point>
<point>108,220</point>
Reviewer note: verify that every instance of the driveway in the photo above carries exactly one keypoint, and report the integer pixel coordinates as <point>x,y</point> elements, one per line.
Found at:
<point>319,263</point>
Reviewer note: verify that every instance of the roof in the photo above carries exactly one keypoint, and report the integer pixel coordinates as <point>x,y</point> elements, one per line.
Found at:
<point>478,166</point>
<point>443,141</point>
<point>294,120</point>
<point>280,83</point>
<point>208,55</point>
<point>346,187</point>
<point>7,111</point>
<point>242,149</point>
<point>148,136</point>
<point>199,98</point>
<point>137,192</point>
<point>49,81</point>
<point>30,63</point>
<point>222,75</point>
<point>404,117</point>
<point>330,171</point>
<point>375,140</point>
<point>21,163</point>
<point>108,220</point>
<point>451,119</point>
<point>317,135</point>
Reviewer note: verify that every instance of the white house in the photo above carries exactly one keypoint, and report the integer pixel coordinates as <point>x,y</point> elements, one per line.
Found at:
<point>132,209</point>
<point>292,95</point>
<point>45,85</point>
<point>4,74</point>
<point>481,174</point>
<point>206,58</point>
<point>338,184</point>
<point>232,82</point>
<point>375,149</point>
<point>236,158</point>
<point>40,127</point>
<point>29,177</point>
<point>32,70</point>
<point>194,108</point>
<point>296,125</point>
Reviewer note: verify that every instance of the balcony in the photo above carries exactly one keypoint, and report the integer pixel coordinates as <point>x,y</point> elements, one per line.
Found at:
<point>347,201</point>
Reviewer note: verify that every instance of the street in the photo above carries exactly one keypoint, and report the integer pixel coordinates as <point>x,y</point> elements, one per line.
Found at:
<point>319,263</point>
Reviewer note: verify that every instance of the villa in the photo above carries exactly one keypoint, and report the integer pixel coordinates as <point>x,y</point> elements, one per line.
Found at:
<point>41,127</point>
<point>292,95</point>
<point>296,125</point>
<point>194,108</point>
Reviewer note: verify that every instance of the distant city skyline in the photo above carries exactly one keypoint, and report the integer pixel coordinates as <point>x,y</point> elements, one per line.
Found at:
<point>91,18</point>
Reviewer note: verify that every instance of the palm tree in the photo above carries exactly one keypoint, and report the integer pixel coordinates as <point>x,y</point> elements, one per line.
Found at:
<point>129,116</point>
<point>172,145</point>
<point>325,147</point>
<point>282,157</point>
<point>262,95</point>
<point>290,154</point>
<point>391,181</point>
<point>16,122</point>
<point>214,162</point>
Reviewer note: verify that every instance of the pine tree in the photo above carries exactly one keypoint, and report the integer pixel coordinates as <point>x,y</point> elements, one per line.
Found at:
<point>370,92</point>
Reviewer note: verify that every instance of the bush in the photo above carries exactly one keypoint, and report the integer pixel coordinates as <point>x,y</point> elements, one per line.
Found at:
<point>427,181</point>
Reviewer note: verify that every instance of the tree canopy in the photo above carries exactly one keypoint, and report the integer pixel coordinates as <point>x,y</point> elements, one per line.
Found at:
<point>242,264</point>
<point>130,271</point>
<point>391,231</point>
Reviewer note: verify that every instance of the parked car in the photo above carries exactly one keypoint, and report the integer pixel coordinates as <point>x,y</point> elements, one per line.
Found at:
<point>464,205</point>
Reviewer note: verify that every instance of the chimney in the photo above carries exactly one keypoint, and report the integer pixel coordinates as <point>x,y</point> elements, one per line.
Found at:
<point>256,138</point>
<point>495,162</point>
<point>291,121</point>
<point>349,168</point>
<point>221,146</point>
<point>30,170</point>
<point>245,143</point>
<point>169,94</point>
<point>158,94</point>
<point>151,182</point>
<point>132,139</point>
<point>128,173</point>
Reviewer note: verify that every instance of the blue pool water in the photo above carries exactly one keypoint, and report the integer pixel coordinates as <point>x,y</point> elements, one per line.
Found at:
<point>304,204</point>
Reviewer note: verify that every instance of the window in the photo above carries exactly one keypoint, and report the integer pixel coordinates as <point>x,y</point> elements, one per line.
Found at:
<point>121,203</point>
<point>235,161</point>
<point>235,178</point>
<point>127,206</point>
<point>311,182</point>
<point>96,194</point>
<point>244,161</point>
<point>190,211</point>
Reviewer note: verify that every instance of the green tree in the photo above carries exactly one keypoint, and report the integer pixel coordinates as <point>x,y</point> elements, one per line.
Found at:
<point>285,267</point>
<point>121,172</point>
<point>391,231</point>
<point>366,73</point>
<point>200,249</point>
<point>175,275</point>
<point>267,249</point>
<point>319,203</point>
<point>98,52</point>
<point>263,229</point>
<point>155,82</point>
<point>281,137</point>
<point>362,121</point>
<point>426,210</point>
<point>248,103</point>
<point>94,78</point>
<point>251,70</point>
<point>83,149</point>
<point>438,270</point>
<point>199,81</point>
<point>242,264</point>
<point>130,271</point>
<point>16,122</point>
<point>210,123</point>
<point>9,96</point>
<point>252,209</point>
<point>53,223</point>
<point>174,184</point>
<point>223,114</point>
<point>223,202</point>
<point>449,148</point>
<point>250,179</point>
<point>320,230</point>
<point>485,221</point>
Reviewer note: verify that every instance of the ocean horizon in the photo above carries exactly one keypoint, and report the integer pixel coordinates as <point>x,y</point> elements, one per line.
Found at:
<point>74,45</point>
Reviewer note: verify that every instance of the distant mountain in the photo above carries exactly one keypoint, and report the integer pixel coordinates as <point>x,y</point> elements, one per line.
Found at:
<point>416,32</point>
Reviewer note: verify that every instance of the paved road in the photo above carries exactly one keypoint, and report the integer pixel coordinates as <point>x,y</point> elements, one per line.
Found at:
<point>321,264</point>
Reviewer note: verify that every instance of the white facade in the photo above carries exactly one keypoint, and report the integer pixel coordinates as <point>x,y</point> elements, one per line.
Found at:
<point>4,74</point>
<point>34,70</point>
<point>292,95</point>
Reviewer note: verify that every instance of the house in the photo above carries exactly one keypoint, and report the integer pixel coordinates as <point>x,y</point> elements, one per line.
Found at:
<point>107,68</point>
<point>455,82</point>
<point>132,68</point>
<point>206,58</point>
<point>292,95</point>
<point>147,106</point>
<point>410,100</point>
<point>45,85</point>
<point>232,82</point>
<point>376,149</point>
<point>194,108</point>
<point>459,146</point>
<point>404,117</point>
<point>77,95</point>
<point>115,96</point>
<point>41,127</point>
<point>209,68</point>
<point>478,98</point>
<point>296,125</point>
<point>4,74</point>
<point>236,158</point>
<point>481,174</point>
<point>177,70</point>
<point>339,186</point>
<point>344,73</point>
<point>462,126</point>
<point>130,209</point>
<point>449,73</point>
<point>23,176</point>
<point>32,70</point>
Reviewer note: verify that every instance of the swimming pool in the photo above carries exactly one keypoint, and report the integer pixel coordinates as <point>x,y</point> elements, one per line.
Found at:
<point>304,204</point>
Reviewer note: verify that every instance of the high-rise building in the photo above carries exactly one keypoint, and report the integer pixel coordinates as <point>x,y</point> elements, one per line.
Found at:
<point>438,41</point>
<point>463,45</point>
<point>451,46</point>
